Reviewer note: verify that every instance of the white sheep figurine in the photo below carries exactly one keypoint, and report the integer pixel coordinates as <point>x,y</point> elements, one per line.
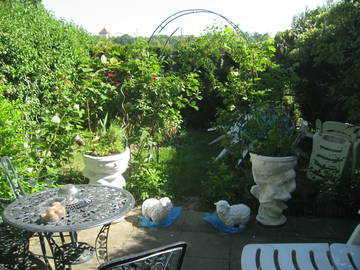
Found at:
<point>234,215</point>
<point>156,210</point>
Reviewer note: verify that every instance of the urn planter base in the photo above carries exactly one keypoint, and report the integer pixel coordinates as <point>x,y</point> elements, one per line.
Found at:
<point>267,216</point>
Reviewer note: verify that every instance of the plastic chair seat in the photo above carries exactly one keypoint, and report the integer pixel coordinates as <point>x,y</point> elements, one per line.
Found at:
<point>304,256</point>
<point>286,257</point>
<point>345,257</point>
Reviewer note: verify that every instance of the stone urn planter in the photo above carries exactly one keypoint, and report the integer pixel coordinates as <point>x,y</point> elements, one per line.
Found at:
<point>274,181</point>
<point>107,170</point>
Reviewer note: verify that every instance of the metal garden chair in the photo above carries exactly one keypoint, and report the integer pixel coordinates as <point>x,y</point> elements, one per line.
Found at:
<point>14,246</point>
<point>15,182</point>
<point>162,258</point>
<point>18,191</point>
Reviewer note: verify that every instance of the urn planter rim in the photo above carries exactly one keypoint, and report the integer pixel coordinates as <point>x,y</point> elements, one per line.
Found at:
<point>271,158</point>
<point>110,157</point>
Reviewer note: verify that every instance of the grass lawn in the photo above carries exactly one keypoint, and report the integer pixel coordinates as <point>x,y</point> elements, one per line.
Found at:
<point>187,161</point>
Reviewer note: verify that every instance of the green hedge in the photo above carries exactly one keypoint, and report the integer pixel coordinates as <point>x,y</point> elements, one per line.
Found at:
<point>39,59</point>
<point>323,47</point>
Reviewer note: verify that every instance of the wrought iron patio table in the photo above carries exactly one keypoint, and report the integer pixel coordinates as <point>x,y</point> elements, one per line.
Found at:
<point>95,205</point>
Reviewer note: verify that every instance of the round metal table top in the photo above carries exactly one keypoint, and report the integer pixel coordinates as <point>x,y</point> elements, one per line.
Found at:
<point>95,205</point>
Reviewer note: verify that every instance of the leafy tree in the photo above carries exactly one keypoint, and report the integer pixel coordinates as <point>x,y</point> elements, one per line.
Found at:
<point>323,49</point>
<point>124,39</point>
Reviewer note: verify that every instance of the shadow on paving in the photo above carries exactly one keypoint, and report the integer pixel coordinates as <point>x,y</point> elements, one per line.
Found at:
<point>208,248</point>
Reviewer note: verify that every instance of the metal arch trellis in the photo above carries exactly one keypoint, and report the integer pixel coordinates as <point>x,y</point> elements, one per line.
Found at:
<point>181,13</point>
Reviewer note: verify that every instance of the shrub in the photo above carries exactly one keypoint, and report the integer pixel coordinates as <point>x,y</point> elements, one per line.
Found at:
<point>142,93</point>
<point>40,57</point>
<point>12,128</point>
<point>227,182</point>
<point>107,140</point>
<point>146,179</point>
<point>266,130</point>
<point>323,49</point>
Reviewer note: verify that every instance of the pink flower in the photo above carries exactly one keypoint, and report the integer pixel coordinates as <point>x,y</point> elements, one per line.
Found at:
<point>111,75</point>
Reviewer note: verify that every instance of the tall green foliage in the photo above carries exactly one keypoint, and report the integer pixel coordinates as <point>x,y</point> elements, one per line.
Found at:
<point>233,72</point>
<point>39,59</point>
<point>12,128</point>
<point>323,48</point>
<point>139,90</point>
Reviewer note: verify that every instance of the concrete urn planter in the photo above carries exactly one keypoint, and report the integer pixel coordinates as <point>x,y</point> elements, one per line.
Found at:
<point>274,181</point>
<point>107,170</point>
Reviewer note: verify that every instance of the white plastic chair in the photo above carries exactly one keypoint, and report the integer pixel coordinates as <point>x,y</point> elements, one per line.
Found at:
<point>303,256</point>
<point>334,144</point>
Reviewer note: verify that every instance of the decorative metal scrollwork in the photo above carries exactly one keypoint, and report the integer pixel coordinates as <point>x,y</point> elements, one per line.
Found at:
<point>96,205</point>
<point>101,244</point>
<point>159,262</point>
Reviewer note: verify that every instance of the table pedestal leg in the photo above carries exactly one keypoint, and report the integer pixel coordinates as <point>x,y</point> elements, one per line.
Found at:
<point>72,253</point>
<point>43,249</point>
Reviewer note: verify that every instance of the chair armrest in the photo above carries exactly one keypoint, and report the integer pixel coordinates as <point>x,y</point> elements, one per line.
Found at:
<point>6,199</point>
<point>48,180</point>
<point>4,202</point>
<point>355,237</point>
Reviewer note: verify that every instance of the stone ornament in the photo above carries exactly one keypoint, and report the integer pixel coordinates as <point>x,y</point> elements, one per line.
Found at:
<point>107,170</point>
<point>156,210</point>
<point>274,181</point>
<point>236,215</point>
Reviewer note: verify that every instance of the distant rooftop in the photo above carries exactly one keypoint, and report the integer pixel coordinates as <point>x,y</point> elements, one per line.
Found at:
<point>104,32</point>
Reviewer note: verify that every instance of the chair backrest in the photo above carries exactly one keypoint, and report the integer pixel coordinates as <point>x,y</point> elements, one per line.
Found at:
<point>165,257</point>
<point>342,129</point>
<point>334,144</point>
<point>12,177</point>
<point>328,157</point>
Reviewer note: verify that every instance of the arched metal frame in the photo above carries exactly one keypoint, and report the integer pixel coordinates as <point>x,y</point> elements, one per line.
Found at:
<point>181,13</point>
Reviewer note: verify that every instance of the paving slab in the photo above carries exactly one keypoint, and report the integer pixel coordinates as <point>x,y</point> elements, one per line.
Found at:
<point>208,248</point>
<point>198,263</point>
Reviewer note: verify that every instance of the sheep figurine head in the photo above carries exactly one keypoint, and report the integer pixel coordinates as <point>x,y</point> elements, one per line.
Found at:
<point>222,206</point>
<point>166,203</point>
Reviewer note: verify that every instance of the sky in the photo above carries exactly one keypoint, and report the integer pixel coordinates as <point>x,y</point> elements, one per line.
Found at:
<point>141,18</point>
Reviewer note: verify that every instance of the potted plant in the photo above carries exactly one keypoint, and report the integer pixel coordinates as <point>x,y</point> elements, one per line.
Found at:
<point>270,136</point>
<point>106,155</point>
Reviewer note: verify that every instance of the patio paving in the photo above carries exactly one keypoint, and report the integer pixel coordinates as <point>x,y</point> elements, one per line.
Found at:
<point>207,248</point>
